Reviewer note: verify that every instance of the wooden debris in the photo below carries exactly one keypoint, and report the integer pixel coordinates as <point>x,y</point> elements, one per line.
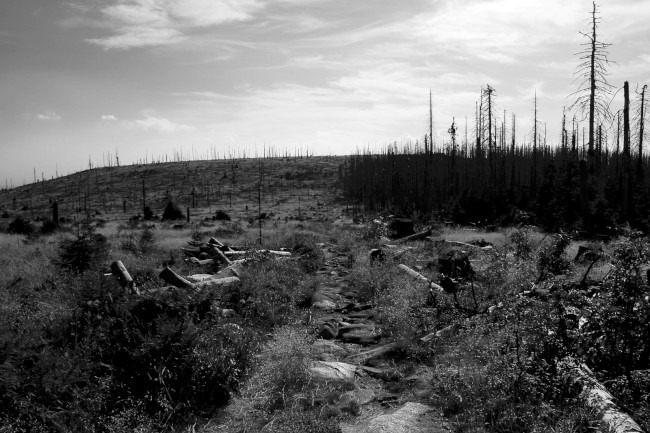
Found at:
<point>119,270</point>
<point>464,244</point>
<point>596,397</point>
<point>420,277</point>
<point>176,280</point>
<point>415,237</point>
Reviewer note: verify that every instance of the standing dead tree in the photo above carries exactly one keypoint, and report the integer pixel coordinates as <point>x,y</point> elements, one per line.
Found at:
<point>591,99</point>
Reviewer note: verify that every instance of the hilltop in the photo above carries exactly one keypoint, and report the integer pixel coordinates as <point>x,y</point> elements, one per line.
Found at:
<point>203,186</point>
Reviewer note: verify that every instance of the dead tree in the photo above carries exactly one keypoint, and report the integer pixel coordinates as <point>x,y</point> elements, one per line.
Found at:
<point>591,97</point>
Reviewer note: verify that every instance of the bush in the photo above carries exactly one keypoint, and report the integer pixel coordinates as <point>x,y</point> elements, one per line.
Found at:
<point>21,226</point>
<point>83,252</point>
<point>148,213</point>
<point>172,212</point>
<point>221,216</point>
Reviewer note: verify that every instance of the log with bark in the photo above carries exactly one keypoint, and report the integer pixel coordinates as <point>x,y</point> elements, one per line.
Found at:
<point>176,280</point>
<point>119,270</point>
<point>596,397</point>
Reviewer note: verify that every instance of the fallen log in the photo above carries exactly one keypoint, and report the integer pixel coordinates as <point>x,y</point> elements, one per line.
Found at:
<point>415,237</point>
<point>420,277</point>
<point>174,279</point>
<point>465,244</point>
<point>596,397</point>
<point>119,270</point>
<point>210,282</point>
<point>218,255</point>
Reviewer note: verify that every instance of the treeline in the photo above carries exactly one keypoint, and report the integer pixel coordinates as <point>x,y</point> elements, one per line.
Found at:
<point>491,179</point>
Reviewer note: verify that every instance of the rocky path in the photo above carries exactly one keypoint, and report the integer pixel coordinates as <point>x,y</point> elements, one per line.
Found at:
<point>386,396</point>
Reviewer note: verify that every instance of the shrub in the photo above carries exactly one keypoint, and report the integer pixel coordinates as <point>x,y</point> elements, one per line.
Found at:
<point>221,216</point>
<point>21,226</point>
<point>83,252</point>
<point>148,213</point>
<point>172,212</point>
<point>551,258</point>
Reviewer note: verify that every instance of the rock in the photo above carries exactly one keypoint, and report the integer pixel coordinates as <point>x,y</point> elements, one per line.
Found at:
<point>327,350</point>
<point>361,336</point>
<point>364,357</point>
<point>324,305</point>
<point>384,374</point>
<point>328,331</point>
<point>410,418</point>
<point>358,396</point>
<point>332,370</point>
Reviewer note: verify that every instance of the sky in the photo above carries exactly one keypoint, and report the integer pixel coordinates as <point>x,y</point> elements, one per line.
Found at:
<point>82,79</point>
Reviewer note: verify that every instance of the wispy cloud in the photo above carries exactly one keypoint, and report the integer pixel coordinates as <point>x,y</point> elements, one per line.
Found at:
<point>108,117</point>
<point>161,124</point>
<point>50,115</point>
<point>140,23</point>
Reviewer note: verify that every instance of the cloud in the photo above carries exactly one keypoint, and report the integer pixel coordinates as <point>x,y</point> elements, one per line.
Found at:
<point>141,23</point>
<point>134,37</point>
<point>108,117</point>
<point>161,124</point>
<point>50,115</point>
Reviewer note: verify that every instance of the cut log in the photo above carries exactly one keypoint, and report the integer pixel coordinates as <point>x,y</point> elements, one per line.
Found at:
<point>215,241</point>
<point>415,237</point>
<point>119,270</point>
<point>174,279</point>
<point>595,396</point>
<point>218,255</point>
<point>420,277</point>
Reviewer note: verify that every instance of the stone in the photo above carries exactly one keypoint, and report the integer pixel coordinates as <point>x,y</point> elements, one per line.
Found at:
<point>327,350</point>
<point>328,331</point>
<point>361,336</point>
<point>410,418</point>
<point>324,305</point>
<point>332,370</point>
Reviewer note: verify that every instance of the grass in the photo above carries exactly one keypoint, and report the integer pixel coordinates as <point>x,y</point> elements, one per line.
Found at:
<point>70,336</point>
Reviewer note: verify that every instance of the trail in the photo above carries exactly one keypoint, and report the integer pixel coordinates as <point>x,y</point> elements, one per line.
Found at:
<point>388,396</point>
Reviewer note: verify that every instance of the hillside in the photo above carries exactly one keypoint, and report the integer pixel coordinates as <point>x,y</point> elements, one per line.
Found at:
<point>231,185</point>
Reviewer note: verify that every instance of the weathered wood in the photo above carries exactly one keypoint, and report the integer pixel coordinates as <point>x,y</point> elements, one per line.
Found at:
<point>415,237</point>
<point>217,282</point>
<point>218,255</point>
<point>119,270</point>
<point>465,244</point>
<point>174,279</point>
<point>596,397</point>
<point>215,241</point>
<point>418,276</point>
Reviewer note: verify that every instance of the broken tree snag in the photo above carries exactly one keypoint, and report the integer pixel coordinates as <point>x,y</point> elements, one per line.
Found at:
<point>218,255</point>
<point>420,277</point>
<point>119,270</point>
<point>596,397</point>
<point>415,237</point>
<point>174,279</point>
